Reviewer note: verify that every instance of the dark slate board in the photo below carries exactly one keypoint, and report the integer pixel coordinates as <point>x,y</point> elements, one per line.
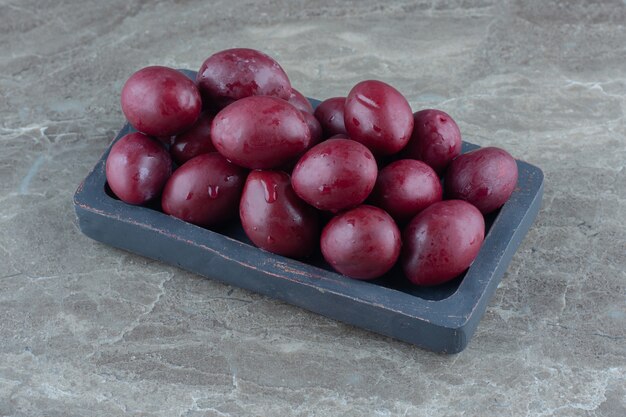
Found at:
<point>442,318</point>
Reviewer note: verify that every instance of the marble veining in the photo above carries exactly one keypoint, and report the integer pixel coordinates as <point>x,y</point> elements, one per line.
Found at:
<point>88,330</point>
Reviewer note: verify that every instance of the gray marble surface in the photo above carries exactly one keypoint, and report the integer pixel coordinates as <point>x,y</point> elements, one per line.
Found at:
<point>87,330</point>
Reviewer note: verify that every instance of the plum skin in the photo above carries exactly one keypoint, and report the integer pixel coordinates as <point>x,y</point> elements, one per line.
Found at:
<point>137,168</point>
<point>378,116</point>
<point>260,132</point>
<point>485,177</point>
<point>275,218</point>
<point>314,127</point>
<point>436,139</point>
<point>300,102</point>
<point>160,101</point>
<point>330,115</point>
<point>204,191</point>
<point>441,242</point>
<point>362,243</point>
<point>334,175</point>
<point>233,74</point>
<point>316,137</point>
<point>193,142</point>
<point>406,187</point>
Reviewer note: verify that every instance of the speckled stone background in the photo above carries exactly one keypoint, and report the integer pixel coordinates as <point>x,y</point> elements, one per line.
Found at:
<point>87,330</point>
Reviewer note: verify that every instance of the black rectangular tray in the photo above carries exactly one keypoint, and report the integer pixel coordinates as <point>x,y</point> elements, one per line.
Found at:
<point>441,318</point>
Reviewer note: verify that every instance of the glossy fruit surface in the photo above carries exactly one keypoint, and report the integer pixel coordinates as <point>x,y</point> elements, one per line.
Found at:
<point>260,132</point>
<point>299,101</point>
<point>406,187</point>
<point>378,116</point>
<point>195,141</point>
<point>160,101</point>
<point>330,115</point>
<point>275,218</point>
<point>335,175</point>
<point>233,74</point>
<point>314,127</point>
<point>362,243</point>
<point>485,177</point>
<point>204,191</point>
<point>441,242</point>
<point>436,139</point>
<point>137,168</point>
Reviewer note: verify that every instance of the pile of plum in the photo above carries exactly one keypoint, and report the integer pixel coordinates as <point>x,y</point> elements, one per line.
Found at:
<point>345,178</point>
